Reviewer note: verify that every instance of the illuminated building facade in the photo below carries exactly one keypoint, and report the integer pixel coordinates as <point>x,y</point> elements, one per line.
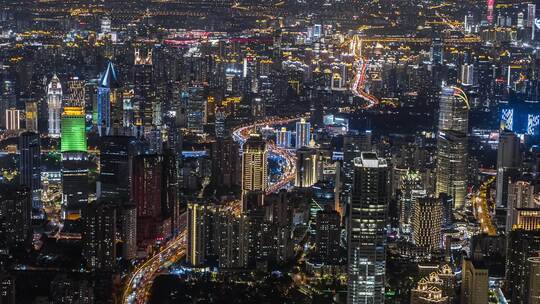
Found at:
<point>15,215</point>
<point>427,218</point>
<point>31,116</point>
<point>54,104</point>
<point>303,133</point>
<point>367,230</point>
<point>306,167</point>
<point>75,188</point>
<point>534,280</point>
<point>508,163</point>
<point>254,165</point>
<point>106,99</point>
<point>522,245</point>
<point>283,138</point>
<point>474,285</point>
<point>148,193</point>
<point>13,119</point>
<point>76,93</point>
<point>116,154</point>
<point>523,207</point>
<point>452,145</point>
<point>30,165</point>
<point>196,244</point>
<point>327,231</point>
<point>99,235</point>
<point>73,130</point>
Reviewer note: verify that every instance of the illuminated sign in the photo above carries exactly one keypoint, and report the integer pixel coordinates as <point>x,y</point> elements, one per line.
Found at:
<point>507,119</point>
<point>533,120</point>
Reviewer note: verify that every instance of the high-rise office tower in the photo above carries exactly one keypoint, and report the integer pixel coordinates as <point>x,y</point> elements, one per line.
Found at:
<point>116,154</point>
<point>149,195</point>
<point>451,166</point>
<point>327,231</point>
<point>452,145</point>
<point>54,104</point>
<point>31,116</point>
<point>367,230</point>
<point>254,165</point>
<point>427,217</point>
<point>197,234</point>
<point>30,165</point>
<point>128,224</point>
<point>508,162</point>
<point>195,104</point>
<point>73,130</point>
<point>226,163</point>
<point>523,210</point>
<point>453,110</point>
<point>74,183</point>
<point>534,280</point>
<point>13,119</point>
<point>303,133</point>
<point>231,240</point>
<point>75,93</point>
<point>107,99</point>
<point>489,14</point>
<point>521,246</point>
<point>144,91</point>
<point>306,167</point>
<point>474,285</point>
<point>99,235</point>
<point>283,138</point>
<point>531,14</point>
<point>15,215</point>
<point>7,288</point>
<point>437,51</point>
<point>467,75</point>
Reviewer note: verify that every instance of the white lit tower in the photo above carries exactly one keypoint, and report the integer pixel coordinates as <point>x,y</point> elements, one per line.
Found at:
<point>54,103</point>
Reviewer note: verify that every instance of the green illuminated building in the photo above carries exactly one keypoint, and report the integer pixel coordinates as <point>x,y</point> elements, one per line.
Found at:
<point>73,130</point>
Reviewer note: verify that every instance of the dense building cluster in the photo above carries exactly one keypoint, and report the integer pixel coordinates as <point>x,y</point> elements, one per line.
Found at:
<point>319,151</point>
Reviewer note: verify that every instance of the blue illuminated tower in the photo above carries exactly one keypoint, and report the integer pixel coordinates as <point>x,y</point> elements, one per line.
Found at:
<point>107,82</point>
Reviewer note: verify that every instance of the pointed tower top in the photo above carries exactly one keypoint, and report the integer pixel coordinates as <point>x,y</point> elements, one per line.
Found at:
<point>109,78</point>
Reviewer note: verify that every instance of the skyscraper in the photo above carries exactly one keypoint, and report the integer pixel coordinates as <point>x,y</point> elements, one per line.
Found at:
<point>73,130</point>
<point>13,119</point>
<point>76,93</point>
<point>31,116</point>
<point>54,103</point>
<point>452,145</point>
<point>254,165</point>
<point>367,230</point>
<point>148,193</point>
<point>116,154</point>
<point>303,133</point>
<point>508,162</point>
<point>197,226</point>
<point>452,166</point>
<point>522,245</point>
<point>99,235</point>
<point>427,217</point>
<point>327,231</point>
<point>534,280</point>
<point>453,110</point>
<point>306,167</point>
<point>15,215</point>
<point>474,286</point>
<point>283,138</point>
<point>74,183</point>
<point>30,165</point>
<point>106,99</point>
